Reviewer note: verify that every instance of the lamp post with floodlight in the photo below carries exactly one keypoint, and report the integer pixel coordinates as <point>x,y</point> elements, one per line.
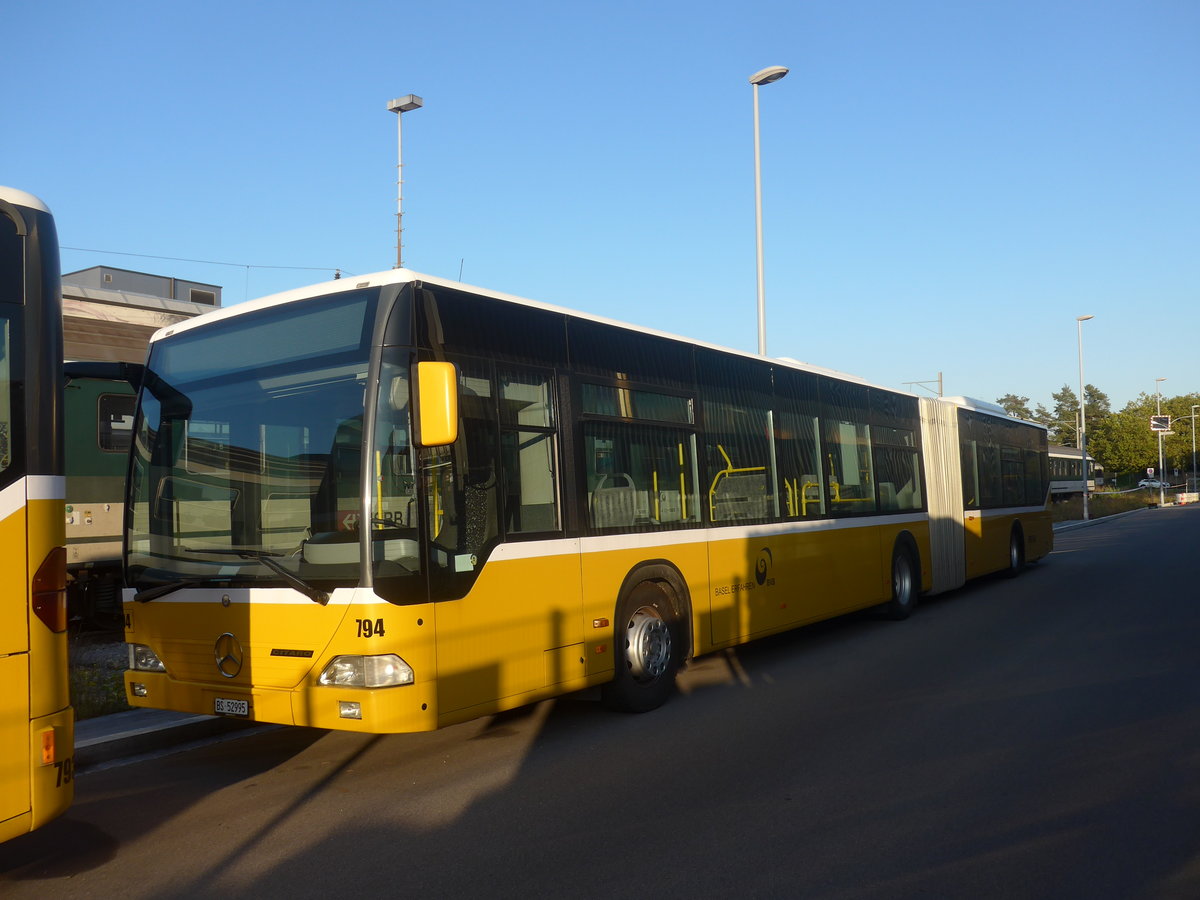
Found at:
<point>1079,320</point>
<point>1195,483</point>
<point>1158,409</point>
<point>400,106</point>
<point>764,76</point>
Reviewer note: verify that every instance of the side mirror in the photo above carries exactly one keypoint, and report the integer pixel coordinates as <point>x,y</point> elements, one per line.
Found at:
<point>436,420</point>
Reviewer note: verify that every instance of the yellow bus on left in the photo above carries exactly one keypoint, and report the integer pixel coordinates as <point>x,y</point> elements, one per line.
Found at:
<point>37,724</point>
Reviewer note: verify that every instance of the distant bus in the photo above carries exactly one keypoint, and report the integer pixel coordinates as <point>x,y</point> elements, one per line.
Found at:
<point>1066,473</point>
<point>36,720</point>
<point>394,503</point>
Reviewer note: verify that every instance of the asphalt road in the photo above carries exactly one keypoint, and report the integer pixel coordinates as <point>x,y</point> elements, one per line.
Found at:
<point>1036,737</point>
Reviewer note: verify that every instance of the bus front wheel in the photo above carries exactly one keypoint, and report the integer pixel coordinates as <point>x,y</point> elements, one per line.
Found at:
<point>646,647</point>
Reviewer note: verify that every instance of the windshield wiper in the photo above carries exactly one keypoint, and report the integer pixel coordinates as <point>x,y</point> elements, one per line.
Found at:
<point>265,557</point>
<point>161,590</point>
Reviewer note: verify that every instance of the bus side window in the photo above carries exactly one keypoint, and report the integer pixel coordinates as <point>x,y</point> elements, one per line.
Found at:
<point>528,452</point>
<point>801,481</point>
<point>5,396</point>
<point>739,476</point>
<point>970,475</point>
<point>640,477</point>
<point>897,468</point>
<point>849,466</point>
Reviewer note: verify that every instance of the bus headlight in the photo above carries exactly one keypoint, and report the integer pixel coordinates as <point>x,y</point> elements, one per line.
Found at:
<point>143,659</point>
<point>367,671</point>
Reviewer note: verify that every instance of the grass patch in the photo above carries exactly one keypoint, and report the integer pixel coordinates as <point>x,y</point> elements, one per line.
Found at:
<point>1102,504</point>
<point>97,683</point>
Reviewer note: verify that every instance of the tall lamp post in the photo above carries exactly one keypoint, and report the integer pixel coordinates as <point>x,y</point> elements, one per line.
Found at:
<point>400,106</point>
<point>1079,320</point>
<point>765,76</point>
<point>1162,499</point>
<point>1195,486</point>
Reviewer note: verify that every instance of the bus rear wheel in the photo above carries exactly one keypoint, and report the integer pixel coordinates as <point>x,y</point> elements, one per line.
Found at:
<point>1016,552</point>
<point>904,584</point>
<point>646,647</point>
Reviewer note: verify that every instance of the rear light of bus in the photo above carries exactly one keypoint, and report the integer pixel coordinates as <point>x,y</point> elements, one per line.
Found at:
<point>388,670</point>
<point>49,741</point>
<point>50,590</point>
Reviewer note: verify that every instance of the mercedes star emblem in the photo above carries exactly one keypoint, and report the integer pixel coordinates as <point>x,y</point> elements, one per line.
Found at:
<point>229,655</point>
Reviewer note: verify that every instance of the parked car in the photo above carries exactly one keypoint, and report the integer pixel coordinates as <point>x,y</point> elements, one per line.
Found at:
<point>1152,483</point>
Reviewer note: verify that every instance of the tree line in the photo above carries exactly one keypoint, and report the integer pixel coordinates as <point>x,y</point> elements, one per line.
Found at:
<point>1122,442</point>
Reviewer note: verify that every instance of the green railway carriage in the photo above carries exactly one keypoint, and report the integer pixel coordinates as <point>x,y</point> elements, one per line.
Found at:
<point>99,415</point>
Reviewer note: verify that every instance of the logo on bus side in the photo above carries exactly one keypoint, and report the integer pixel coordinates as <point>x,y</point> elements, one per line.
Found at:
<point>229,655</point>
<point>762,577</point>
<point>763,568</point>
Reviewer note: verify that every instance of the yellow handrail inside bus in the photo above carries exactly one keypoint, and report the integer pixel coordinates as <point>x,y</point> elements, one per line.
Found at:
<point>378,489</point>
<point>437,502</point>
<point>835,489</point>
<point>682,487</point>
<point>729,469</point>
<point>804,498</point>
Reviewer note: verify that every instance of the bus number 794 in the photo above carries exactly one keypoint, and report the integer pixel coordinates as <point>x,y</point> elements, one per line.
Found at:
<point>370,628</point>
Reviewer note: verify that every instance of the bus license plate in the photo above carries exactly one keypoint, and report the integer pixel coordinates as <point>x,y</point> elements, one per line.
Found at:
<point>226,707</point>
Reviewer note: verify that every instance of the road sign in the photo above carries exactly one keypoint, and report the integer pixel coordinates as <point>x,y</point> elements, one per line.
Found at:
<point>1160,423</point>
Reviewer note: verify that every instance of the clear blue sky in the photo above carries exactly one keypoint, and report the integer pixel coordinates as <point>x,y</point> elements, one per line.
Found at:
<point>947,184</point>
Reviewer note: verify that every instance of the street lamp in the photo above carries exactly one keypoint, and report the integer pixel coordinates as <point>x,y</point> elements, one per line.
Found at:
<point>1162,500</point>
<point>1079,320</point>
<point>1194,486</point>
<point>399,107</point>
<point>765,76</point>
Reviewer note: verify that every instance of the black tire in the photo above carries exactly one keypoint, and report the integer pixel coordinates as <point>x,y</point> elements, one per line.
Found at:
<point>647,650</point>
<point>904,584</point>
<point>1016,552</point>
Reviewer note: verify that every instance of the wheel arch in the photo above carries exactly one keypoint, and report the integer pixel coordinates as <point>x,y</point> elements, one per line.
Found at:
<point>1018,530</point>
<point>665,573</point>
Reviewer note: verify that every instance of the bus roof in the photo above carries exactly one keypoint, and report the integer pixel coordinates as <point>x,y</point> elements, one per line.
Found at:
<point>991,409</point>
<point>20,198</point>
<point>403,276</point>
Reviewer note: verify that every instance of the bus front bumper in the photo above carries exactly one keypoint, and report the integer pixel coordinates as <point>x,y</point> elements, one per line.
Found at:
<point>400,709</point>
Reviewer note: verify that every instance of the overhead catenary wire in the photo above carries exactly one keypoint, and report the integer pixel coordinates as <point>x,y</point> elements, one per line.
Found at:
<point>212,262</point>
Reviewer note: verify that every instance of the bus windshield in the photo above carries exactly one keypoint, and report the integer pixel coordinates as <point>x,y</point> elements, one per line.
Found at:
<point>247,452</point>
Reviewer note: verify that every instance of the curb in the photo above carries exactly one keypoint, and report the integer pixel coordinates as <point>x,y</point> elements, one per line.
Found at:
<point>1073,526</point>
<point>105,738</point>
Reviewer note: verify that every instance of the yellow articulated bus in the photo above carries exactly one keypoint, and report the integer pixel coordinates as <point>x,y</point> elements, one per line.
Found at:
<point>397,503</point>
<point>36,721</point>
